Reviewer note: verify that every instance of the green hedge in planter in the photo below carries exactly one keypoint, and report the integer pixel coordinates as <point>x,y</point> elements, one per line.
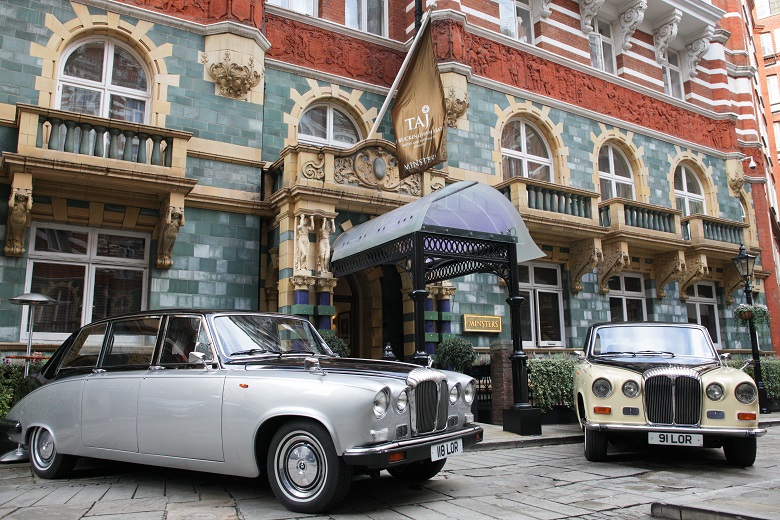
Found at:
<point>551,382</point>
<point>770,369</point>
<point>13,386</point>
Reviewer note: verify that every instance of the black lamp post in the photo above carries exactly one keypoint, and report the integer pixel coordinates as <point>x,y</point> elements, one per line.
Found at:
<point>745,262</point>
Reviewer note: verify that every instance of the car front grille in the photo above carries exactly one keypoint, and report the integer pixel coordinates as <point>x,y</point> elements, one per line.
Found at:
<point>428,400</point>
<point>672,396</point>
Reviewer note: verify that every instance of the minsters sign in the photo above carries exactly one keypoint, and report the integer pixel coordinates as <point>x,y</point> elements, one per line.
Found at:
<point>477,323</point>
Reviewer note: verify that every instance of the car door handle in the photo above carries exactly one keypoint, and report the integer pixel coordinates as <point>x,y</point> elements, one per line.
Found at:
<point>98,370</point>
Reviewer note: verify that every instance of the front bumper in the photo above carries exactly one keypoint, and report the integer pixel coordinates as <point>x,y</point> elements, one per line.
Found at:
<point>636,428</point>
<point>419,448</point>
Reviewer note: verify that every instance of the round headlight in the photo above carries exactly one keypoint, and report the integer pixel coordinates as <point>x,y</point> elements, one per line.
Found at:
<point>745,393</point>
<point>631,388</point>
<point>469,392</point>
<point>381,400</point>
<point>454,393</point>
<point>602,388</point>
<point>715,391</point>
<point>402,403</point>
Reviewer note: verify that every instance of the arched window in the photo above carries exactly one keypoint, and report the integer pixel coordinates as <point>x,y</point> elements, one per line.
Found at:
<point>103,78</point>
<point>524,152</point>
<point>615,177</point>
<point>688,194</point>
<point>327,125</point>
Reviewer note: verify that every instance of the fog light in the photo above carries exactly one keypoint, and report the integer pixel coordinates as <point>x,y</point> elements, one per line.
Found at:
<point>716,414</point>
<point>630,410</point>
<point>401,431</point>
<point>379,435</point>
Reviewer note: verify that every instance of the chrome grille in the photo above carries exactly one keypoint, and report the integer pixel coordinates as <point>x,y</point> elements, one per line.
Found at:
<point>672,395</point>
<point>428,398</point>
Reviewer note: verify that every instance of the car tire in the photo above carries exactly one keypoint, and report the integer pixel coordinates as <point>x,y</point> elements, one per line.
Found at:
<point>595,445</point>
<point>45,461</point>
<point>304,471</point>
<point>419,471</point>
<point>740,452</point>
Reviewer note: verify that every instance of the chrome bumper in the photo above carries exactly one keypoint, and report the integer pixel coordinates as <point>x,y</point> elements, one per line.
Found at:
<point>414,449</point>
<point>723,432</point>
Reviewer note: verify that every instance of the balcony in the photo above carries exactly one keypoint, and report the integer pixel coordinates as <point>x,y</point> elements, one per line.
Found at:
<point>715,236</point>
<point>643,226</point>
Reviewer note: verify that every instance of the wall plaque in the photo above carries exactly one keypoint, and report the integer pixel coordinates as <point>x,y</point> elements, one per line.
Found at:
<point>477,323</point>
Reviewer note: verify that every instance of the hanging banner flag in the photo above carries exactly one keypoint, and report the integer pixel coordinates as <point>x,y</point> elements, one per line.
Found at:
<point>419,114</point>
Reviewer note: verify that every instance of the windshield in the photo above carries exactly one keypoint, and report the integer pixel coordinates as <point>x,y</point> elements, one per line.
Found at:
<point>247,334</point>
<point>651,341</point>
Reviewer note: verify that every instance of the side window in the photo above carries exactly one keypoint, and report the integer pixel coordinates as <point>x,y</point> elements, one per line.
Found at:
<point>183,335</point>
<point>132,342</point>
<point>86,348</point>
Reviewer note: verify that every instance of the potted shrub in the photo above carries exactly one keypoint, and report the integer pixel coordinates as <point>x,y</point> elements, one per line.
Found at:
<point>456,354</point>
<point>758,313</point>
<point>335,343</point>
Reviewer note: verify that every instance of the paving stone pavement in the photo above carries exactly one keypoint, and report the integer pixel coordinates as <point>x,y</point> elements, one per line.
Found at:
<point>535,481</point>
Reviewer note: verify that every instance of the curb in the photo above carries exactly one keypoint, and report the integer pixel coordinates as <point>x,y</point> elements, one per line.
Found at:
<point>681,512</point>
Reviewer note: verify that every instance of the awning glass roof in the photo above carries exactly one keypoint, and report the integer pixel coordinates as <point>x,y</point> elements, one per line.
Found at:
<point>466,208</point>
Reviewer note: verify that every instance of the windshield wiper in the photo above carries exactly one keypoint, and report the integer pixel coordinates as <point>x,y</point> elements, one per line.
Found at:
<point>655,353</point>
<point>248,352</point>
<point>632,354</point>
<point>299,353</point>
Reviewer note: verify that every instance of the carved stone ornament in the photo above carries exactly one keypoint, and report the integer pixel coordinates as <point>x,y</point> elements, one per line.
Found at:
<point>589,9</point>
<point>584,256</point>
<point>302,230</point>
<point>169,231</point>
<point>19,208</point>
<point>696,50</point>
<point>736,179</point>
<point>696,268</point>
<point>544,8</point>
<point>615,259</point>
<point>455,107</point>
<point>375,167</point>
<point>731,282</point>
<point>326,284</point>
<point>667,268</point>
<point>315,169</point>
<point>303,283</point>
<point>233,80</point>
<point>445,291</point>
<point>663,34</point>
<point>628,21</point>
<point>327,228</point>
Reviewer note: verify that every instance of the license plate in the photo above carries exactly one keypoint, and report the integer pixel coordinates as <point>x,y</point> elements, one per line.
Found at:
<point>675,439</point>
<point>446,449</point>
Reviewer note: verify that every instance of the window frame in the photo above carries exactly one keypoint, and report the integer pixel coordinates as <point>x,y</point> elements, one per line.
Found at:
<point>363,22</point>
<point>685,194</point>
<point>611,176</point>
<point>697,301</point>
<point>508,11</point>
<point>624,295</point>
<point>285,4</point>
<point>597,43</point>
<point>672,73</point>
<point>533,289</point>
<point>523,156</point>
<point>329,140</point>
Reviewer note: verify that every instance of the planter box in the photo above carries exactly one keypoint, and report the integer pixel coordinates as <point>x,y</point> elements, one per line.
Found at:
<point>559,415</point>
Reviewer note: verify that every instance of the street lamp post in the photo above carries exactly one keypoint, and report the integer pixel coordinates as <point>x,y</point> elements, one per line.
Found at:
<point>745,262</point>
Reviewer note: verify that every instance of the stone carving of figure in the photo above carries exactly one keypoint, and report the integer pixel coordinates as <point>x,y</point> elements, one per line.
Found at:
<point>323,245</point>
<point>302,243</point>
<point>174,220</point>
<point>19,207</point>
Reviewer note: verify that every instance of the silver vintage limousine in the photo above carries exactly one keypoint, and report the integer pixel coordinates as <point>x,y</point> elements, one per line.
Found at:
<point>240,393</point>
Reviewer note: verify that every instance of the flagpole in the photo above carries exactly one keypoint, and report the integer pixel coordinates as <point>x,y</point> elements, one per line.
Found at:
<point>400,75</point>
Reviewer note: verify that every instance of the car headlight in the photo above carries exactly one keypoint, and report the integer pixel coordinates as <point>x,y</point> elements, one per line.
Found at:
<point>745,393</point>
<point>469,392</point>
<point>402,403</point>
<point>715,391</point>
<point>602,388</point>
<point>631,388</point>
<point>381,401</point>
<point>454,393</point>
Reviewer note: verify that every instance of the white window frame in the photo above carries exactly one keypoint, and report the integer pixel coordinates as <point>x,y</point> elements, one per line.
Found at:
<point>91,261</point>
<point>329,140</point>
<point>673,84</point>
<point>533,288</point>
<point>508,19</point>
<point>363,22</point>
<point>696,300</point>
<point>612,177</point>
<point>522,155</point>
<point>308,7</point>
<point>685,193</point>
<point>773,89</point>
<point>598,40</point>
<point>105,87</point>
<point>623,294</point>
<point>767,48</point>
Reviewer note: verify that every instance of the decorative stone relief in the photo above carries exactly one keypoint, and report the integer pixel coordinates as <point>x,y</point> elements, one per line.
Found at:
<point>375,167</point>
<point>736,179</point>
<point>584,256</point>
<point>589,9</point>
<point>615,259</point>
<point>315,169</point>
<point>232,79</point>
<point>19,208</point>
<point>302,230</point>
<point>663,34</point>
<point>323,246</point>
<point>731,282</point>
<point>303,282</point>
<point>455,107</point>
<point>628,21</point>
<point>443,291</point>
<point>667,267</point>
<point>696,50</point>
<point>327,284</point>
<point>544,8</point>
<point>169,231</point>
<point>696,268</point>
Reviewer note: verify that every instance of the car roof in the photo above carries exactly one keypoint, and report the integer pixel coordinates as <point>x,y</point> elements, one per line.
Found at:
<point>646,324</point>
<point>174,311</point>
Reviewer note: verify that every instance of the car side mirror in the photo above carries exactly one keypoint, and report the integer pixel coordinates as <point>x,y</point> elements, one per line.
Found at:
<point>724,358</point>
<point>580,355</point>
<point>197,358</point>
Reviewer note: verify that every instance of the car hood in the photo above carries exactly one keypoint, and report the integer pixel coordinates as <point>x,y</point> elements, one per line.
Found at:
<point>641,364</point>
<point>336,365</point>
